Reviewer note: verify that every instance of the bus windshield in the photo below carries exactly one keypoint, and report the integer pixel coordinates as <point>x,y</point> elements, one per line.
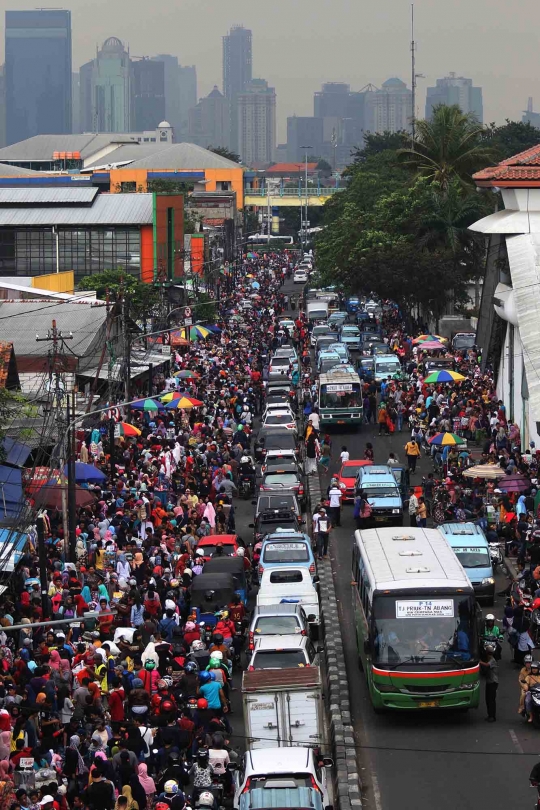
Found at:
<point>408,630</point>
<point>346,395</point>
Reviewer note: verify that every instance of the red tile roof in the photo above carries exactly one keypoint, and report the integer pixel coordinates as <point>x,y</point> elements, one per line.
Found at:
<point>518,169</point>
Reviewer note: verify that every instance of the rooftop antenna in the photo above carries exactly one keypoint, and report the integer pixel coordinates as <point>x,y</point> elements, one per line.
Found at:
<point>530,104</point>
<point>413,77</point>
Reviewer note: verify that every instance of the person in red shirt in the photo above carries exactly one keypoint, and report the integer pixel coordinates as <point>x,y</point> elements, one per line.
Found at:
<point>116,701</point>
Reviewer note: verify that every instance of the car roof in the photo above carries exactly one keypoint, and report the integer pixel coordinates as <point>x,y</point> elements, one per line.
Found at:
<point>355,462</point>
<point>213,539</point>
<point>272,515</point>
<point>278,760</point>
<point>288,641</point>
<point>286,535</point>
<point>286,466</point>
<point>379,472</point>
<point>278,610</point>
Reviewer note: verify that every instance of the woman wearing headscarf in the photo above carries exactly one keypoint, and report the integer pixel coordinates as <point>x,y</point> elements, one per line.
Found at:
<point>7,795</point>
<point>74,766</point>
<point>5,746</point>
<point>123,568</point>
<point>147,783</point>
<point>131,803</point>
<point>138,793</point>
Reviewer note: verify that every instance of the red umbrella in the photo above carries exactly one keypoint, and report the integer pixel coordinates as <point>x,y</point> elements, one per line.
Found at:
<point>50,496</point>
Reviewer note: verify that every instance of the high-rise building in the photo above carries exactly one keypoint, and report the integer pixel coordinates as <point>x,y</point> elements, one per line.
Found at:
<point>257,123</point>
<point>172,91</point>
<point>3,105</point>
<point>105,86</point>
<point>187,85</point>
<point>303,131</point>
<point>342,113</point>
<point>147,94</point>
<point>390,108</point>
<point>237,73</point>
<point>332,100</point>
<point>209,121</point>
<point>37,73</point>
<point>530,116</point>
<point>75,104</point>
<point>454,89</point>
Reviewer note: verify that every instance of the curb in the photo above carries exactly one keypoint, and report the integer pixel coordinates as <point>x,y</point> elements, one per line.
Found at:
<point>347,782</point>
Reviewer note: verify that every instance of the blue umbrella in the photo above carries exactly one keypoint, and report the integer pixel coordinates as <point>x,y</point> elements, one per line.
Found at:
<point>213,328</point>
<point>87,472</point>
<point>255,285</point>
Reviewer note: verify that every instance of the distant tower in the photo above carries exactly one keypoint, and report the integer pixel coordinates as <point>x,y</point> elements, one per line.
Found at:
<point>105,89</point>
<point>237,73</point>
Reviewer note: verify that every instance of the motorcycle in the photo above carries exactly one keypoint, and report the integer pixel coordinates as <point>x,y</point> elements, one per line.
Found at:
<point>205,632</point>
<point>246,486</point>
<point>534,692</point>
<point>496,555</point>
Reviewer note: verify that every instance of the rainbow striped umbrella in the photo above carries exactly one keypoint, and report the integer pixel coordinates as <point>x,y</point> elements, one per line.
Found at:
<point>184,402</point>
<point>146,405</point>
<point>427,338</point>
<point>197,331</point>
<point>126,430</point>
<point>444,375</point>
<point>446,439</point>
<point>185,374</point>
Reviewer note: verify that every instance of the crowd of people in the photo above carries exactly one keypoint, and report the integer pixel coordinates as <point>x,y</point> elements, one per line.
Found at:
<point>123,701</point>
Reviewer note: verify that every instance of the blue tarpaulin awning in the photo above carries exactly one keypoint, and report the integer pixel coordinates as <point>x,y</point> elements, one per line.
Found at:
<point>12,546</point>
<point>11,492</point>
<point>16,452</point>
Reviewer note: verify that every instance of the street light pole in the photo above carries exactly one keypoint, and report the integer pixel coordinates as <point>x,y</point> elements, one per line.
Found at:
<point>306,215</point>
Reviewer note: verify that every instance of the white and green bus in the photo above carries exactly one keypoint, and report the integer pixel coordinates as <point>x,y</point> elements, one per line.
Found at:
<point>416,620</point>
<point>340,398</point>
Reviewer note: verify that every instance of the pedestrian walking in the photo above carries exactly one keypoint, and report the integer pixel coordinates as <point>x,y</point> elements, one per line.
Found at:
<point>382,419</point>
<point>335,503</point>
<point>413,506</point>
<point>421,513</point>
<point>322,533</point>
<point>412,451</point>
<point>491,671</point>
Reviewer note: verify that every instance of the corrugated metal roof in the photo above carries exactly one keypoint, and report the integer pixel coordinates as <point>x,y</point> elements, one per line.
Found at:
<point>126,153</point>
<point>42,147</point>
<point>34,196</point>
<point>184,156</point>
<point>20,321</point>
<point>7,170</point>
<point>108,209</point>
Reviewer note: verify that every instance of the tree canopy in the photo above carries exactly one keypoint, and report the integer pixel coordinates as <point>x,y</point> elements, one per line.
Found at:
<point>120,283</point>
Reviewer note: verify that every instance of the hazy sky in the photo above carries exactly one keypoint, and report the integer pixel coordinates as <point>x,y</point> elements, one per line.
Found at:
<point>298,44</point>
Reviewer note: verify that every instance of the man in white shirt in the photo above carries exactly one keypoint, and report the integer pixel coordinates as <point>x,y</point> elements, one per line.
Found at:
<point>335,504</point>
<point>344,455</point>
<point>315,420</point>
<point>413,506</point>
<point>392,460</point>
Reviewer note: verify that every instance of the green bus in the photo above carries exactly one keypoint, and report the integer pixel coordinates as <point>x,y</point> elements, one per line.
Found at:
<point>416,620</point>
<point>340,398</point>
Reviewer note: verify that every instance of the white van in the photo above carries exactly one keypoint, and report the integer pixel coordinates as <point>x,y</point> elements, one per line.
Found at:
<point>290,585</point>
<point>317,310</point>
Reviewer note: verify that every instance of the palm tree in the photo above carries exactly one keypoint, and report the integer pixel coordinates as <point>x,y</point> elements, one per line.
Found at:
<point>446,220</point>
<point>450,145</point>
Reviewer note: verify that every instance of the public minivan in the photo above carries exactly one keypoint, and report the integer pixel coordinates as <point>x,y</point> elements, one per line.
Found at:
<point>382,492</point>
<point>386,365</point>
<point>469,544</point>
<point>317,310</point>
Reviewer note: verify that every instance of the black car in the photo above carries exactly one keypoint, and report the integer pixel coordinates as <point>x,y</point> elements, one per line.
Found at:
<point>275,439</point>
<point>272,519</point>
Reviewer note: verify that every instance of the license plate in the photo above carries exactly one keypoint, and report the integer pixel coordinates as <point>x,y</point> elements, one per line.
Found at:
<point>341,421</point>
<point>380,519</point>
<point>429,704</point>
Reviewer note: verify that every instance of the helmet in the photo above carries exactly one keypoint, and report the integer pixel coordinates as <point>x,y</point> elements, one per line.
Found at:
<point>191,666</point>
<point>217,638</point>
<point>527,659</point>
<point>197,645</point>
<point>240,552</point>
<point>202,703</point>
<point>204,677</point>
<point>244,460</point>
<point>189,627</point>
<point>167,706</point>
<point>150,664</point>
<point>206,799</point>
<point>202,753</point>
<point>173,758</point>
<point>214,662</point>
<point>199,553</point>
<point>217,655</point>
<point>162,806</point>
<point>535,665</point>
<point>490,648</point>
<point>490,617</point>
<point>171,786</point>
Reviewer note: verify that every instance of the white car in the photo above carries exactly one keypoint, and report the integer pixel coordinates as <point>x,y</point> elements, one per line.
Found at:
<point>277,407</point>
<point>287,652</point>
<point>320,329</point>
<point>266,775</point>
<point>282,419</point>
<point>300,276</point>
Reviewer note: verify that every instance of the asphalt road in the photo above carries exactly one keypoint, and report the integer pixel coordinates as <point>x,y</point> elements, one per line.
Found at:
<point>433,760</point>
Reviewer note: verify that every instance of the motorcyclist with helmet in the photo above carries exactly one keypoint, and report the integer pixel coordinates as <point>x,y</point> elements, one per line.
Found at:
<point>172,795</point>
<point>226,628</point>
<point>492,634</point>
<point>202,774</point>
<point>522,680</point>
<point>246,470</point>
<point>199,655</point>
<point>533,679</point>
<point>218,643</point>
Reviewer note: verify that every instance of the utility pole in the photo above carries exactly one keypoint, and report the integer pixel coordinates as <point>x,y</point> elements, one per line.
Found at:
<point>56,367</point>
<point>413,79</point>
<point>305,228</point>
<point>126,339</point>
<point>44,584</point>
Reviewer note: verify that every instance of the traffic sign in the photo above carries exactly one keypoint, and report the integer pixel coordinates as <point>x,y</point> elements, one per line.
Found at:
<point>188,321</point>
<point>187,312</point>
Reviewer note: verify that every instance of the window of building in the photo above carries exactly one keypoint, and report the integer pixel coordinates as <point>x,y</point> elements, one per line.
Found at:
<point>128,187</point>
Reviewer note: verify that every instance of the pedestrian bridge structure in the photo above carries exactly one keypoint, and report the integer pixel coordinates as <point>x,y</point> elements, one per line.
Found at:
<point>261,197</point>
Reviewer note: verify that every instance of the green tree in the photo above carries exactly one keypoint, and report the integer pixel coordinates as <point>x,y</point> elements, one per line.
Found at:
<point>226,153</point>
<point>163,186</point>
<point>512,138</point>
<point>450,145</point>
<point>377,142</point>
<point>142,297</point>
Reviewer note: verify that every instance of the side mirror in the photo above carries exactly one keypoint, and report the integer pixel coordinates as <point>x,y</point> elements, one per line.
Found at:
<point>328,762</point>
<point>254,503</point>
<point>316,579</point>
<point>312,617</point>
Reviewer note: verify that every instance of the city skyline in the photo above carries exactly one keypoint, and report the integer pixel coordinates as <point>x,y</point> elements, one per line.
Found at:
<point>297,58</point>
